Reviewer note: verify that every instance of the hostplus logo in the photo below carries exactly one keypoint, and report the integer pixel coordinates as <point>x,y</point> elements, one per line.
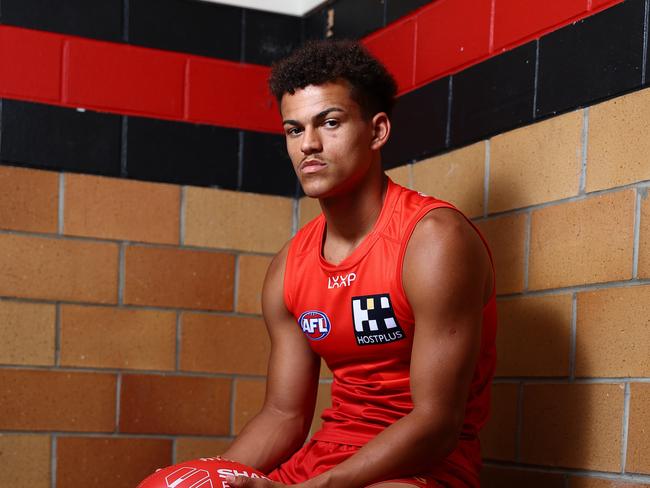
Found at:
<point>374,320</point>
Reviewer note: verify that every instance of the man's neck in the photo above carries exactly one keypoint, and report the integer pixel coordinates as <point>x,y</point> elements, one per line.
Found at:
<point>350,217</point>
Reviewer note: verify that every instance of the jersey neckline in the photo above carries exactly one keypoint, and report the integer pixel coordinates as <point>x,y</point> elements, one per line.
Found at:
<point>388,206</point>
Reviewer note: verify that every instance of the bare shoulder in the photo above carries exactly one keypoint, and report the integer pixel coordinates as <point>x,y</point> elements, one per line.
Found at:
<point>273,305</point>
<point>446,251</point>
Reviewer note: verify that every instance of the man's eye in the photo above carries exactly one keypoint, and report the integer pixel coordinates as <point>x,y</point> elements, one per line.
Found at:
<point>331,123</point>
<point>294,131</point>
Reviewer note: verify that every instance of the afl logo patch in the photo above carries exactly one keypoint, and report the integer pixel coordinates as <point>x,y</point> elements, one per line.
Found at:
<point>316,325</point>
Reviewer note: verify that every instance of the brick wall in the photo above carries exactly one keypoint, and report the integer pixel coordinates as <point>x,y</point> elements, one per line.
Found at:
<point>564,204</point>
<point>130,324</point>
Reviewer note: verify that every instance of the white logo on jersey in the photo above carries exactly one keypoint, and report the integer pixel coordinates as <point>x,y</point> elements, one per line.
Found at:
<point>341,280</point>
<point>374,320</point>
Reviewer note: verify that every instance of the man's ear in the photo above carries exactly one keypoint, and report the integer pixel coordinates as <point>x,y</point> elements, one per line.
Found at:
<point>381,130</point>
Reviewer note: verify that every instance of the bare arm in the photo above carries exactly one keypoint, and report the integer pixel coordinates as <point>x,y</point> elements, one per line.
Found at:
<point>447,279</point>
<point>283,423</point>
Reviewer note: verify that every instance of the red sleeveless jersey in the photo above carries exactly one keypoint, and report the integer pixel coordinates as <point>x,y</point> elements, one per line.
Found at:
<point>356,316</point>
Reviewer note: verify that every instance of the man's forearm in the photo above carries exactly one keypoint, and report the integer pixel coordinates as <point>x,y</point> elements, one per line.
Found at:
<point>268,439</point>
<point>406,448</point>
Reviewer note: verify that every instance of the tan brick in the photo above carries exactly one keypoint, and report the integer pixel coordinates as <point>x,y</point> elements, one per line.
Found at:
<point>458,177</point>
<point>619,150</point>
<point>237,220</point>
<point>224,344</point>
<point>573,425</point>
<point>105,337</point>
<point>188,448</point>
<point>25,461</point>
<point>401,175</point>
<point>525,169</point>
<point>252,270</point>
<point>638,455</point>
<point>644,236</point>
<point>56,269</point>
<point>506,238</point>
<point>533,337</point>
<point>115,208</point>
<point>177,278</point>
<point>154,404</point>
<point>493,477</point>
<point>102,462</point>
<point>29,199</point>
<point>309,209</point>
<point>587,241</point>
<point>499,436</point>
<point>61,401</point>
<point>325,372</point>
<point>249,398</point>
<point>323,401</point>
<point>27,331</point>
<point>613,332</point>
<point>580,482</point>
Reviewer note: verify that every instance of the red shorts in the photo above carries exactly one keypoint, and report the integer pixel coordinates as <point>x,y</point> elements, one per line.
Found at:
<point>316,457</point>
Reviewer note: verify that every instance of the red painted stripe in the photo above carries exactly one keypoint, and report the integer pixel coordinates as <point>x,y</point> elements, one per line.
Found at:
<point>395,47</point>
<point>451,34</point>
<point>119,78</point>
<point>515,20</point>
<point>31,64</point>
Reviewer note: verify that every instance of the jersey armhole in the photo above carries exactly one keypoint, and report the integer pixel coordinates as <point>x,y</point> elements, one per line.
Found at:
<point>409,232</point>
<point>288,277</point>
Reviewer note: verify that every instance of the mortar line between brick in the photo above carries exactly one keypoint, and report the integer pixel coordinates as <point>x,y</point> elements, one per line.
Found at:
<point>577,198</point>
<point>575,472</point>
<point>295,216</point>
<point>564,380</point>
<point>645,43</point>
<point>536,78</point>
<point>118,401</point>
<point>121,270</point>
<point>61,206</point>
<point>520,420</point>
<point>625,427</point>
<point>450,98</point>
<point>572,343</point>
<point>174,445</point>
<point>577,288</point>
<point>582,184</point>
<point>124,141</point>
<point>179,334</point>
<point>235,284</point>
<point>411,175</point>
<point>566,481</point>
<point>125,20</point>
<point>1,108</point>
<point>486,178</point>
<point>53,460</point>
<point>637,231</point>
<point>57,335</point>
<point>529,219</point>
<point>181,216</point>
<point>232,406</point>
<point>113,435</point>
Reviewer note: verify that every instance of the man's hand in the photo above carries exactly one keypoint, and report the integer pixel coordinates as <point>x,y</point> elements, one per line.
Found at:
<point>245,482</point>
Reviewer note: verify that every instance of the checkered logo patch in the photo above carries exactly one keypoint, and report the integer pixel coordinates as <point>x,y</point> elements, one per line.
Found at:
<point>374,320</point>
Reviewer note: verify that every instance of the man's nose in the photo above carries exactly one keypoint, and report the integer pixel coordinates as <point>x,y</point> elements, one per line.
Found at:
<point>311,142</point>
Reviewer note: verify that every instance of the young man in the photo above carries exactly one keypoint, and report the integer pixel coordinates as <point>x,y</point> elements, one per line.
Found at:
<point>395,290</point>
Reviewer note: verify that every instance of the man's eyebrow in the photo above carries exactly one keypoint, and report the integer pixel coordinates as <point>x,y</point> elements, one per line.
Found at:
<point>319,115</point>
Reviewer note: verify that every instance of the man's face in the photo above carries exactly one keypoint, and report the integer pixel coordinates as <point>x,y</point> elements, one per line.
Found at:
<point>329,141</point>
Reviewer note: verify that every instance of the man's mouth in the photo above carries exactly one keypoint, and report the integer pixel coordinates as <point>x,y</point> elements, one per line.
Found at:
<point>311,166</point>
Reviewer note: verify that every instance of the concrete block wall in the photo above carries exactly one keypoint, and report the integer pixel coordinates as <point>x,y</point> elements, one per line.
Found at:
<point>131,326</point>
<point>564,204</point>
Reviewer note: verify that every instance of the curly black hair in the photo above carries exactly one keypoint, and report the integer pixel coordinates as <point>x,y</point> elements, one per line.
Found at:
<point>320,62</point>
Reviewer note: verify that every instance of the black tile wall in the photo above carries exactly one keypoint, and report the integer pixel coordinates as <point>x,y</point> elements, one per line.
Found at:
<point>43,136</point>
<point>97,19</point>
<point>182,153</point>
<point>419,124</point>
<point>188,26</point>
<point>593,59</point>
<point>314,24</point>
<point>354,19</point>
<point>399,8</point>
<point>266,165</point>
<point>270,36</point>
<point>493,96</point>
